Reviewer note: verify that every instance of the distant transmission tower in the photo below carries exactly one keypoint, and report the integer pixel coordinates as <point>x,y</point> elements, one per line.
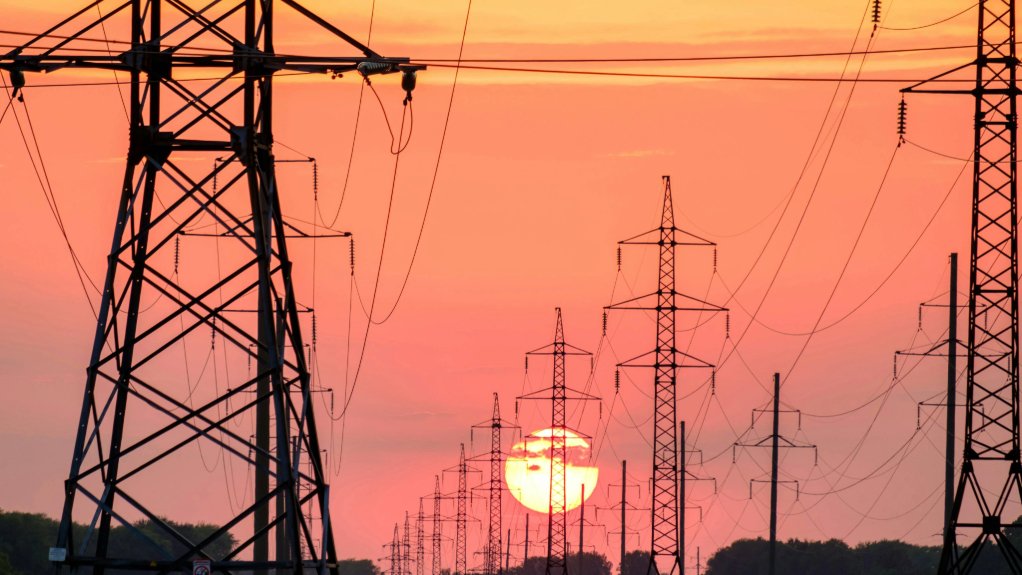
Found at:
<point>436,537</point>
<point>991,472</point>
<point>406,547</point>
<point>557,395</point>
<point>494,488</point>
<point>667,530</point>
<point>461,515</point>
<point>395,552</point>
<point>420,540</point>
<point>200,88</point>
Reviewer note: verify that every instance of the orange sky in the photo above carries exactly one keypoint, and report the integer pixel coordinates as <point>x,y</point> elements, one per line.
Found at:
<point>540,176</point>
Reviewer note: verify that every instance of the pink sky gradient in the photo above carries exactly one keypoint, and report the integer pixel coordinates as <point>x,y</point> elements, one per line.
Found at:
<point>541,176</point>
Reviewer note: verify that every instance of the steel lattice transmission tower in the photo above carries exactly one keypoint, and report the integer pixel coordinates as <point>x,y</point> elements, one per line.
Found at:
<point>667,530</point>
<point>494,488</point>
<point>200,107</point>
<point>991,472</point>
<point>558,396</point>
<point>436,537</point>
<point>461,498</point>
<point>420,539</point>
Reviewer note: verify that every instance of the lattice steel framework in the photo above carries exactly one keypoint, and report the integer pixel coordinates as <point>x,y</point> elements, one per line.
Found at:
<point>436,537</point>
<point>667,531</point>
<point>395,552</point>
<point>420,539</point>
<point>991,473</point>
<point>559,349</point>
<point>461,519</point>
<point>406,546</point>
<point>200,95</point>
<point>494,488</point>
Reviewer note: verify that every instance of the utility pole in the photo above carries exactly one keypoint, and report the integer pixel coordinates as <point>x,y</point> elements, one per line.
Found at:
<point>624,510</point>
<point>558,396</point>
<point>507,554</point>
<point>526,559</point>
<point>495,486</point>
<point>952,376</point>
<point>951,397</point>
<point>776,442</point>
<point>582,530</point>
<point>684,476</point>
<point>177,128</point>
<point>666,301</point>
<point>991,471</point>
<point>623,507</point>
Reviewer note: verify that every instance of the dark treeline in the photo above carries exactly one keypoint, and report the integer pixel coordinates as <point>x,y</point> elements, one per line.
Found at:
<point>834,557</point>
<point>25,539</point>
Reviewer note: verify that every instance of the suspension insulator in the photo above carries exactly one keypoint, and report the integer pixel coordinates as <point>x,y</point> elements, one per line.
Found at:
<point>619,258</point>
<point>902,110</point>
<point>351,254</point>
<point>876,12</point>
<point>314,331</point>
<point>526,364</point>
<point>895,366</point>
<point>177,252</point>
<point>919,319</point>
<point>212,335</point>
<point>315,180</point>
<point>604,323</point>
<point>617,380</point>
<point>713,382</point>
<point>727,325</point>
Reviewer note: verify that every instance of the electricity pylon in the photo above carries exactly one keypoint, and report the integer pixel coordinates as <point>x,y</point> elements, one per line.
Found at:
<point>200,87</point>
<point>776,442</point>
<point>667,531</point>
<point>395,552</point>
<point>406,547</point>
<point>420,539</point>
<point>991,472</point>
<point>558,396</point>
<point>495,487</point>
<point>461,515</point>
<point>436,536</point>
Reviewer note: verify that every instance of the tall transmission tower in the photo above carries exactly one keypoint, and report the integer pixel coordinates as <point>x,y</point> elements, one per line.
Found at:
<point>991,472</point>
<point>665,360</point>
<point>495,487</point>
<point>558,396</point>
<point>135,422</point>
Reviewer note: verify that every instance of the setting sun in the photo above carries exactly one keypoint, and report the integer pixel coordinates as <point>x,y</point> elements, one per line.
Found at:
<point>527,470</point>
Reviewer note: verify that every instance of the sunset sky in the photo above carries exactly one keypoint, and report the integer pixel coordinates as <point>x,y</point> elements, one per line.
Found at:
<point>540,176</point>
